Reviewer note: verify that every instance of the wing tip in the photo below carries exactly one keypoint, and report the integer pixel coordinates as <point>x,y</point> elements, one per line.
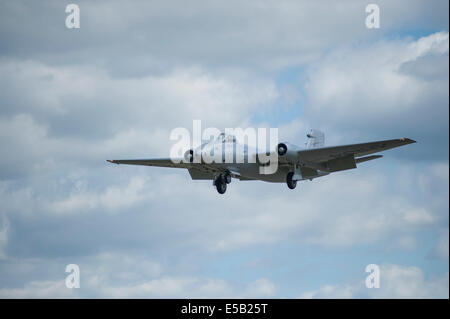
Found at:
<point>408,140</point>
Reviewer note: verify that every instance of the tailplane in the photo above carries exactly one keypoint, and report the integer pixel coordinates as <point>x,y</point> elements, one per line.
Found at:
<point>316,139</point>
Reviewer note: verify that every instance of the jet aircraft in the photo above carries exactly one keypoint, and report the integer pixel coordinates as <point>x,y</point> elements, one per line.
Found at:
<point>294,163</point>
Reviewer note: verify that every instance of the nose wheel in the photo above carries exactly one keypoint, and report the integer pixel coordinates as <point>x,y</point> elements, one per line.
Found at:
<point>289,181</point>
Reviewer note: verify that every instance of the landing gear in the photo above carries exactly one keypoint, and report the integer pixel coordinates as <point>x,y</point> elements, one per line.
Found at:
<point>289,181</point>
<point>221,186</point>
<point>227,178</point>
<point>221,182</point>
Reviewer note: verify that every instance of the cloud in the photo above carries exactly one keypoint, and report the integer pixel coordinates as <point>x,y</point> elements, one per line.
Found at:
<point>328,291</point>
<point>164,287</point>
<point>4,226</point>
<point>243,219</point>
<point>129,275</point>
<point>155,37</point>
<point>191,287</point>
<point>48,108</point>
<point>73,101</point>
<point>112,199</point>
<point>261,287</point>
<point>395,282</point>
<point>349,76</point>
<point>38,289</point>
<point>116,87</point>
<point>380,90</point>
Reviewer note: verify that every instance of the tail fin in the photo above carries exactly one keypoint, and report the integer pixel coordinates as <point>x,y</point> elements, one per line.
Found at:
<point>316,138</point>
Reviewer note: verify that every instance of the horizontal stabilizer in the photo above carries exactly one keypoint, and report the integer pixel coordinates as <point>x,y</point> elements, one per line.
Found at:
<point>316,138</point>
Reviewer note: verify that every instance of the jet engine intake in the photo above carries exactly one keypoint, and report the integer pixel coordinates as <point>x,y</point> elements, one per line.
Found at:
<point>288,151</point>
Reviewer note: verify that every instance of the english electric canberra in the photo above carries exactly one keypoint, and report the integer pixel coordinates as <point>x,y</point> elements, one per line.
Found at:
<point>294,163</point>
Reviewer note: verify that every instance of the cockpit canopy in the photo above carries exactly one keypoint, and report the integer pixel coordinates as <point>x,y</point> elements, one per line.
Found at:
<point>226,138</point>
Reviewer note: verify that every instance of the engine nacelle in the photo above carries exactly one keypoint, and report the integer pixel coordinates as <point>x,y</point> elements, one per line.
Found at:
<point>288,151</point>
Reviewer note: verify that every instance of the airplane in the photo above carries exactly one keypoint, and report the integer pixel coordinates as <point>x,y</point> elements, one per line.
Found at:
<point>294,163</point>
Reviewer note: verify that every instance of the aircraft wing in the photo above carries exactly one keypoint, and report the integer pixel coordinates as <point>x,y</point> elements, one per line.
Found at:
<point>324,154</point>
<point>160,162</point>
<point>196,170</point>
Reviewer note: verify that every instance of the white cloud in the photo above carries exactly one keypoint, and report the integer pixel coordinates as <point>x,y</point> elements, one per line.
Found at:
<point>48,108</point>
<point>409,282</point>
<point>156,36</point>
<point>112,199</point>
<point>261,287</point>
<point>40,290</point>
<point>162,287</point>
<point>128,275</point>
<point>395,282</point>
<point>63,92</point>
<point>377,89</point>
<point>191,91</point>
<point>247,215</point>
<point>329,291</point>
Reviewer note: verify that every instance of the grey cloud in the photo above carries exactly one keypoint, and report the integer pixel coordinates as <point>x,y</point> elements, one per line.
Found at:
<point>362,90</point>
<point>85,214</point>
<point>113,274</point>
<point>431,67</point>
<point>143,37</point>
<point>117,86</point>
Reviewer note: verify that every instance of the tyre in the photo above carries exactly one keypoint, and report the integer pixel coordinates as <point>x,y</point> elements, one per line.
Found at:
<point>290,183</point>
<point>221,186</point>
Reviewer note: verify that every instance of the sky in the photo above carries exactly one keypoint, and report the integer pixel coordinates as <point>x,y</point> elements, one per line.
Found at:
<point>134,71</point>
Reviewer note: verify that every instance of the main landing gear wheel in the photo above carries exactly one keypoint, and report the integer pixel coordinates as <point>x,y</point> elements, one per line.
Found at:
<point>221,186</point>
<point>290,183</point>
<point>221,182</point>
